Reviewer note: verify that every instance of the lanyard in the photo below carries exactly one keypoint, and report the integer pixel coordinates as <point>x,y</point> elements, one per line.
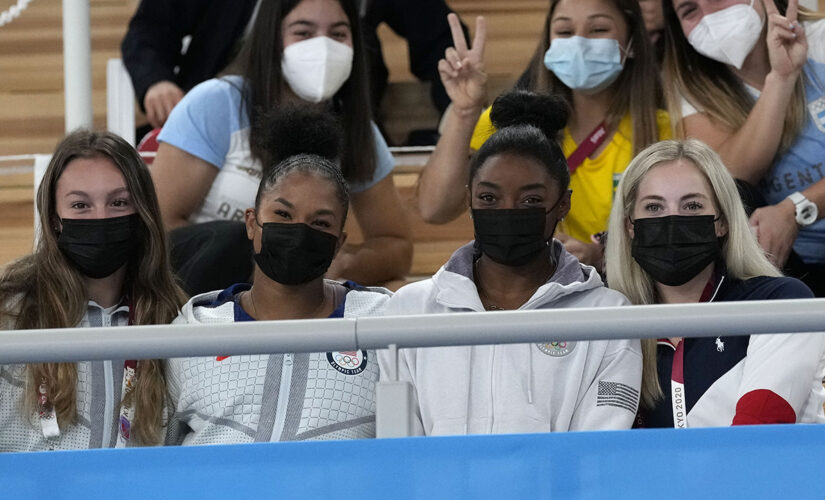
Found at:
<point>48,415</point>
<point>587,147</point>
<point>127,413</point>
<point>677,372</point>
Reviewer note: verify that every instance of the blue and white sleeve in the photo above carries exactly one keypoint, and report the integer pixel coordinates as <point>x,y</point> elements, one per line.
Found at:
<point>202,123</point>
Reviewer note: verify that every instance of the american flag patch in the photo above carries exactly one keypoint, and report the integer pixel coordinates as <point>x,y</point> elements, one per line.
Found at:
<point>618,395</point>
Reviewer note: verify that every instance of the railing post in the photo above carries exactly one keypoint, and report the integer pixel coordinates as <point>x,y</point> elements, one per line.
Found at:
<point>77,64</point>
<point>393,401</point>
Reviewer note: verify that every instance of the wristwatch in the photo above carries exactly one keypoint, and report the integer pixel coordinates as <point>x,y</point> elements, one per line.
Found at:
<point>806,211</point>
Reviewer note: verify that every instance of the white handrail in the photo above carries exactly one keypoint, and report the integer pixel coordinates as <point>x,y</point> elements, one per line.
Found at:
<point>77,64</point>
<point>167,341</point>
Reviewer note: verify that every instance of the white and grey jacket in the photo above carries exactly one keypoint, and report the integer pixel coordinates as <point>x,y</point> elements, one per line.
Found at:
<point>99,385</point>
<point>273,397</point>
<point>517,388</point>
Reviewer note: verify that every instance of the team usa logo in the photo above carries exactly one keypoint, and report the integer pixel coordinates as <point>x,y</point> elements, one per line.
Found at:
<point>348,362</point>
<point>557,349</point>
<point>817,110</point>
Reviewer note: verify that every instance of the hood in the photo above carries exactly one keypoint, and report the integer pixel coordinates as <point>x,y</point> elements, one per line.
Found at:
<point>456,289</point>
<point>211,307</point>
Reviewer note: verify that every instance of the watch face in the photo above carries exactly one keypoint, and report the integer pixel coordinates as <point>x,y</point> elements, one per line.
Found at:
<point>806,213</point>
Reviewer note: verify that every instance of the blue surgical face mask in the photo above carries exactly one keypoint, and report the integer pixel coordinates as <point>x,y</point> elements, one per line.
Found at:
<point>588,65</point>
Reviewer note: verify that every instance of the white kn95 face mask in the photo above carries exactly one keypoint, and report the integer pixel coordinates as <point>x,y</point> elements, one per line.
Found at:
<point>728,35</point>
<point>315,69</point>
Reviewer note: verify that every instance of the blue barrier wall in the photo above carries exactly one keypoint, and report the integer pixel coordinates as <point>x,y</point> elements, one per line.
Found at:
<point>778,462</point>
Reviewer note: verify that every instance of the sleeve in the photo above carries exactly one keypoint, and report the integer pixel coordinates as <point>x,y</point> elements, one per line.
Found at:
<point>484,129</point>
<point>815,31</point>
<point>176,428</point>
<point>152,46</point>
<point>663,123</point>
<point>611,400</point>
<point>203,122</point>
<point>384,163</point>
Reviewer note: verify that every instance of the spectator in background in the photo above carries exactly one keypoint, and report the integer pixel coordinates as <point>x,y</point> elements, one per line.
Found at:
<point>655,25</point>
<point>746,77</point>
<point>596,55</point>
<point>679,234</point>
<point>518,190</point>
<point>163,68</point>
<point>208,165</point>
<point>100,260</point>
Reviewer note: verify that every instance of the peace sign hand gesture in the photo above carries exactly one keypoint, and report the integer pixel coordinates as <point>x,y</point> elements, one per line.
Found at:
<point>462,69</point>
<point>787,43</point>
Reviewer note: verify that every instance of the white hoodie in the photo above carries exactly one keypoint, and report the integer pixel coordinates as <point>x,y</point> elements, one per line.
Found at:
<point>272,397</point>
<point>517,388</point>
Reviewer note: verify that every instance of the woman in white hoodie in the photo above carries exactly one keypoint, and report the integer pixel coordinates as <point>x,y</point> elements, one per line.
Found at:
<point>296,229</point>
<point>518,190</point>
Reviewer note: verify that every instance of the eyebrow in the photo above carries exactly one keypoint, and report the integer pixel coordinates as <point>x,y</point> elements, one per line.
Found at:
<point>489,184</point>
<point>285,202</point>
<point>533,186</point>
<point>325,211</point>
<point>591,16</point>
<point>685,197</point>
<point>305,22</point>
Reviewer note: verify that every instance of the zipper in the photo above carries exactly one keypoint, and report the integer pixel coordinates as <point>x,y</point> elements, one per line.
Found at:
<point>283,398</point>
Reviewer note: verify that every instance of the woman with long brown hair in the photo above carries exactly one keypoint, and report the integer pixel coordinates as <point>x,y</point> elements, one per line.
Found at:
<point>747,77</point>
<point>100,260</point>
<point>596,55</point>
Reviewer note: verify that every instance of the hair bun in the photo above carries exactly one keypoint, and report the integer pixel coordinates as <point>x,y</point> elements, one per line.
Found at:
<point>290,130</point>
<point>546,112</point>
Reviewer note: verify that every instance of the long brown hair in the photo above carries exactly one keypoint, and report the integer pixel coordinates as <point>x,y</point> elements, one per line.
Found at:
<point>259,62</point>
<point>637,88</point>
<point>44,290</point>
<point>713,88</point>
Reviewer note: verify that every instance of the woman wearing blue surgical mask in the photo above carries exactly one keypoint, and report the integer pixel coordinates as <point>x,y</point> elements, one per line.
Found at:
<point>679,234</point>
<point>518,190</point>
<point>748,78</point>
<point>597,56</point>
<point>304,52</point>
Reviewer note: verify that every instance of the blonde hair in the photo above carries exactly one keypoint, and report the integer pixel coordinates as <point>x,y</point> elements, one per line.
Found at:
<point>637,89</point>
<point>742,255</point>
<point>44,290</point>
<point>713,88</point>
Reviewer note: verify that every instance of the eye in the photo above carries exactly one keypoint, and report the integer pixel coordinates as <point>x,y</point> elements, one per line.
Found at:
<point>693,206</point>
<point>79,205</point>
<point>302,34</point>
<point>487,198</point>
<point>532,200</point>
<point>600,29</point>
<point>283,214</point>
<point>653,208</point>
<point>120,203</point>
<point>563,33</point>
<point>322,223</point>
<point>686,11</point>
<point>340,35</point>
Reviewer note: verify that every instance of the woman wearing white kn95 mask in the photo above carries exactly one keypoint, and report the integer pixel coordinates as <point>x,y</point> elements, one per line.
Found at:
<point>748,78</point>
<point>299,53</point>
<point>597,56</point>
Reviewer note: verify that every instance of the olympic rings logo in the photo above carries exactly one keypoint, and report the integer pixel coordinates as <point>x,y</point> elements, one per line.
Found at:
<point>347,361</point>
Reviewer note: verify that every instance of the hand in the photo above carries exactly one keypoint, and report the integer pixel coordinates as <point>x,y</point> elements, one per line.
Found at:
<point>776,230</point>
<point>653,17</point>
<point>159,101</point>
<point>462,69</point>
<point>787,43</point>
<point>591,254</point>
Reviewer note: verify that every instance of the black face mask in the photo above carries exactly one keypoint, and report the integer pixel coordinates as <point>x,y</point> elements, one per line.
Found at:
<point>674,249</point>
<point>292,254</point>
<point>98,247</point>
<point>511,237</point>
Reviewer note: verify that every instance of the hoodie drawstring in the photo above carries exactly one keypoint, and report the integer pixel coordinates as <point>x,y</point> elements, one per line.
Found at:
<point>530,378</point>
<point>469,388</point>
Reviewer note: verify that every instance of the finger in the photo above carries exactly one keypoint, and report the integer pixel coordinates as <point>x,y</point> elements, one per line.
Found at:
<point>446,71</point>
<point>459,42</point>
<point>152,114</point>
<point>480,38</point>
<point>793,10</point>
<point>451,55</point>
<point>770,7</point>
